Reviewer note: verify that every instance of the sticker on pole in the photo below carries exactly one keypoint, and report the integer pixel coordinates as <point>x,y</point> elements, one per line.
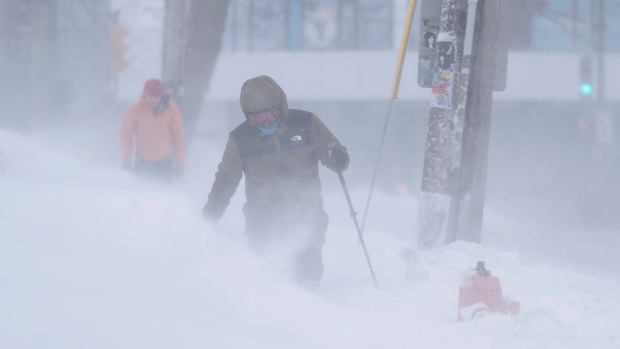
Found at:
<point>427,52</point>
<point>443,78</point>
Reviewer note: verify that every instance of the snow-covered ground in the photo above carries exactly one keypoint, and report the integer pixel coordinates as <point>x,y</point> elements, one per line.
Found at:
<point>91,257</point>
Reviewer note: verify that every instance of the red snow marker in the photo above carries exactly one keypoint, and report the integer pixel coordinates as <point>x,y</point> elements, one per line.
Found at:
<point>481,294</point>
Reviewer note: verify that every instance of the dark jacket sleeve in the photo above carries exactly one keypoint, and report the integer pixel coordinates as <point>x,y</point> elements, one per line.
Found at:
<point>227,179</point>
<point>323,140</point>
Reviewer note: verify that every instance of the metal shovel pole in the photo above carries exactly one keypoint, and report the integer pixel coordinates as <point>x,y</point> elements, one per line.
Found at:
<point>359,232</point>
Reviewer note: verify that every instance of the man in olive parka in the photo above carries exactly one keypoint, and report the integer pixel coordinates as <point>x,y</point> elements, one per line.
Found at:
<point>278,150</point>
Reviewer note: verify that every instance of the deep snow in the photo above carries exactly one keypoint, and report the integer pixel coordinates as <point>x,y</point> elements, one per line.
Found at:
<point>91,257</point>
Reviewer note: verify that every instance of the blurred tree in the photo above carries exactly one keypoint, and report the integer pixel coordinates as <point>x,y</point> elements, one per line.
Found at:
<point>174,47</point>
<point>201,25</point>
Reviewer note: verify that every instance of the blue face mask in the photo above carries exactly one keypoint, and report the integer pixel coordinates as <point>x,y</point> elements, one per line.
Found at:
<point>272,129</point>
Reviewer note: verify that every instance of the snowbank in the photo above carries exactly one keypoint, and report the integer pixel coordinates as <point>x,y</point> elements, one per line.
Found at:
<point>91,257</point>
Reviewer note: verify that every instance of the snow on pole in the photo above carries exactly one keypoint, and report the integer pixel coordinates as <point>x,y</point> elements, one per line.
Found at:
<point>435,196</point>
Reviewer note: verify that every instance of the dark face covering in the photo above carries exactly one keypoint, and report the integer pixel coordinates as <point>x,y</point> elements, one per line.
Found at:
<point>161,105</point>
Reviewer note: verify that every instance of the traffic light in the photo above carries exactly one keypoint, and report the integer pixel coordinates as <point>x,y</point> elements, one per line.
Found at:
<point>585,77</point>
<point>118,48</point>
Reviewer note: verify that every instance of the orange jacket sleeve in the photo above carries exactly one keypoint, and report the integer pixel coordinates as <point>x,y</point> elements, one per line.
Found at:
<point>127,131</point>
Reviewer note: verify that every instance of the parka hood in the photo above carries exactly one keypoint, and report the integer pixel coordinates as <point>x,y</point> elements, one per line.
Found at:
<point>262,93</point>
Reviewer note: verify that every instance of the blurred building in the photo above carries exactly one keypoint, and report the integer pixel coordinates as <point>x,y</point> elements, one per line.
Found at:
<point>303,25</point>
<point>298,25</point>
<point>334,40</point>
<point>54,60</point>
<point>59,50</point>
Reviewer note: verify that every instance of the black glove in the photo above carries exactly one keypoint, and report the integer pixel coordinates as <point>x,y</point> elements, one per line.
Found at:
<point>211,214</point>
<point>337,159</point>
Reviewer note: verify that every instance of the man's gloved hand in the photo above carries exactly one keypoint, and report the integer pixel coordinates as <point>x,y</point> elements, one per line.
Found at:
<point>211,217</point>
<point>337,159</point>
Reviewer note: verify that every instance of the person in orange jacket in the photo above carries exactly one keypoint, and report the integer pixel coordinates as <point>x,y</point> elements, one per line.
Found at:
<point>153,127</point>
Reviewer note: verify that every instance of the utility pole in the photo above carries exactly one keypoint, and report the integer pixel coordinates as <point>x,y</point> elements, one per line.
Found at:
<point>441,142</point>
<point>472,177</point>
<point>193,31</point>
<point>455,162</point>
<point>455,217</point>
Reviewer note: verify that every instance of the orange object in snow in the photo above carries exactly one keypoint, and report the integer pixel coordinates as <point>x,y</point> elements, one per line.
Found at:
<point>481,294</point>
